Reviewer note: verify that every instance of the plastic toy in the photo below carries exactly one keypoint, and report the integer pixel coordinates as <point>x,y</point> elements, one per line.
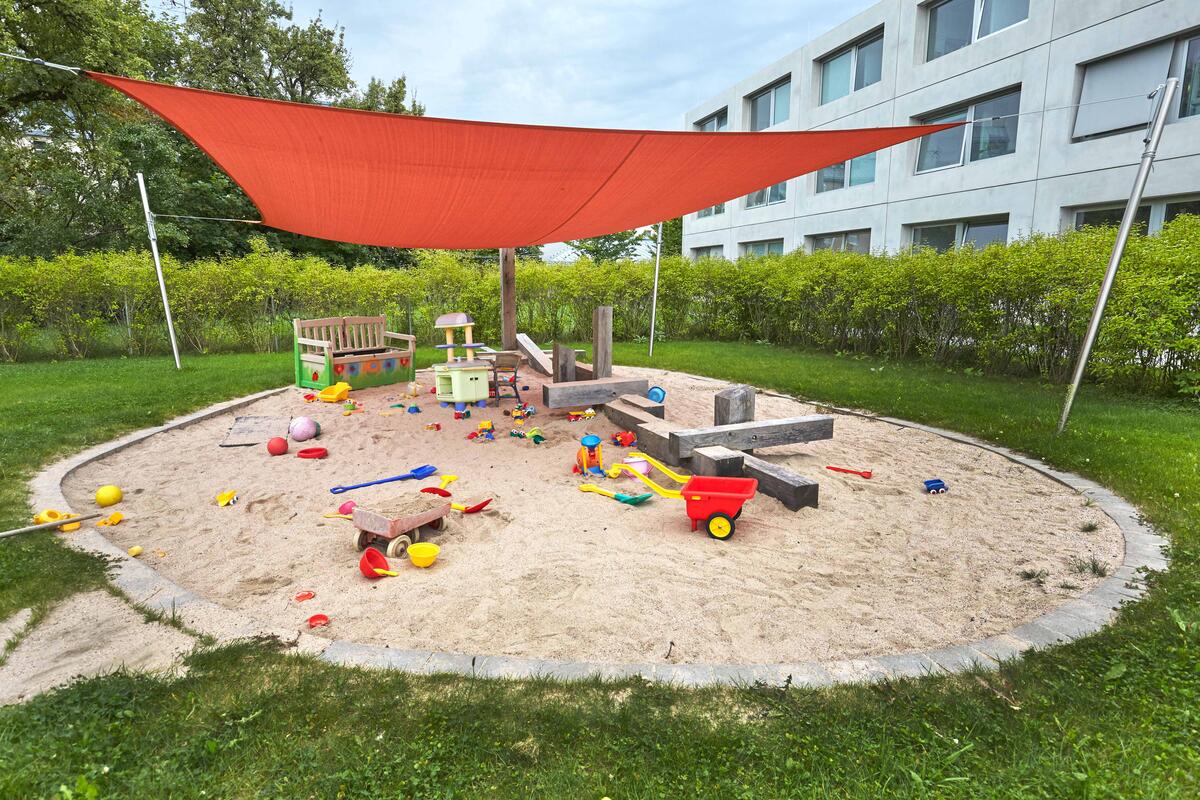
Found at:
<point>318,621</point>
<point>621,497</point>
<point>312,452</point>
<point>109,495</point>
<point>415,473</point>
<point>936,486</point>
<point>461,382</point>
<point>624,439</point>
<point>423,554</point>
<point>413,389</point>
<point>301,429</point>
<point>590,458</point>
<point>112,519</point>
<point>657,394</point>
<point>305,595</point>
<point>487,425</point>
<point>277,445</point>
<point>446,480</point>
<point>715,501</point>
<point>54,515</point>
<point>864,473</point>
<point>400,524</point>
<point>374,565</point>
<point>639,464</point>
<point>229,498</point>
<point>335,393</point>
<point>436,490</point>
<point>575,416</point>
<point>414,409</point>
<point>347,507</point>
<point>135,551</point>
<point>433,426</point>
<point>475,509</point>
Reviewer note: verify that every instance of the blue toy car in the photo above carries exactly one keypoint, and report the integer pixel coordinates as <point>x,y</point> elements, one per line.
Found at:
<point>936,486</point>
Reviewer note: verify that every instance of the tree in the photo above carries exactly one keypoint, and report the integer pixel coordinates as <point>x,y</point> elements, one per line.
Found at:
<point>672,244</point>
<point>389,99</point>
<point>610,246</point>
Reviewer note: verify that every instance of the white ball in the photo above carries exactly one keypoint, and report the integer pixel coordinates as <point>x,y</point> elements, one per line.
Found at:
<point>303,428</point>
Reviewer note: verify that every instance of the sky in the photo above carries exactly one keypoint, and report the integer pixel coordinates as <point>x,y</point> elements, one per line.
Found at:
<point>604,63</point>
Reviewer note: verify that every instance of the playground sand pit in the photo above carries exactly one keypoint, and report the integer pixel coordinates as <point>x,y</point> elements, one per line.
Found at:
<point>547,571</point>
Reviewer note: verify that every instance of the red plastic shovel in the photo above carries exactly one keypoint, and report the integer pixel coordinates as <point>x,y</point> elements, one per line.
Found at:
<point>863,473</point>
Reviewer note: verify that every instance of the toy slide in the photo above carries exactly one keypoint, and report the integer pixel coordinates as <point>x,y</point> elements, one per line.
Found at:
<point>661,467</point>
<point>661,491</point>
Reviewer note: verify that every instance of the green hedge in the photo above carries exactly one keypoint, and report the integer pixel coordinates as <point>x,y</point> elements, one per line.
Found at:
<point>1020,309</point>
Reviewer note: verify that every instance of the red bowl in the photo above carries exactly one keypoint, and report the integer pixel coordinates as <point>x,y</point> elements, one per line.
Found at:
<point>312,452</point>
<point>317,620</point>
<point>372,560</point>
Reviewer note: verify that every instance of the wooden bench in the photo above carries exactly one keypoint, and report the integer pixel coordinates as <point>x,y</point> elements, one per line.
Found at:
<point>357,350</point>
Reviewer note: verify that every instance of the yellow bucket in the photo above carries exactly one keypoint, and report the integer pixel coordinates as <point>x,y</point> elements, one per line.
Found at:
<point>423,554</point>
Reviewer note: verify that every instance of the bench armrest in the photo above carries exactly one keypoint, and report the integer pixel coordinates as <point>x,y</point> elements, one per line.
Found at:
<point>314,342</point>
<point>408,337</point>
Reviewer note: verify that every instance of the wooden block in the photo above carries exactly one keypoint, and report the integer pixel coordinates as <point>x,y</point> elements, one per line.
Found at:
<point>717,461</point>
<point>583,372</point>
<point>580,394</point>
<point>538,361</point>
<point>508,298</point>
<point>794,491</point>
<point>602,319</point>
<point>564,363</point>
<point>645,404</point>
<point>733,405</point>
<point>625,416</point>
<point>654,440</point>
<point>748,435</point>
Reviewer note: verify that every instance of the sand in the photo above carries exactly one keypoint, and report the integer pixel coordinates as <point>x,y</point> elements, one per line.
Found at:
<point>550,572</point>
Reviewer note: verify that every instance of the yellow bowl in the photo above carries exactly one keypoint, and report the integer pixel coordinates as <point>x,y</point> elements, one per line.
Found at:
<point>423,554</point>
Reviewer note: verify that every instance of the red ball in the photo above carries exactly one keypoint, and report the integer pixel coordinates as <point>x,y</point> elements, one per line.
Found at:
<point>277,446</point>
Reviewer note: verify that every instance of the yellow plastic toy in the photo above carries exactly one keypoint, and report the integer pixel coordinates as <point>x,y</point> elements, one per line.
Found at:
<point>661,491</point>
<point>53,515</point>
<point>109,495</point>
<point>227,498</point>
<point>112,519</point>
<point>423,554</point>
<point>336,393</point>
<point>135,551</point>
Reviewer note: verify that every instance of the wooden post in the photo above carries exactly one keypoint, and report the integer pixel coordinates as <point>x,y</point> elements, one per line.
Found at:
<point>508,298</point>
<point>734,405</point>
<point>602,320</point>
<point>564,363</point>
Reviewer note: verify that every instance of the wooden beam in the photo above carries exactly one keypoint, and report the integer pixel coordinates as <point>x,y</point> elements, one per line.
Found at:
<point>538,360</point>
<point>583,372</point>
<point>734,405</point>
<point>654,439</point>
<point>602,321</point>
<point>644,404</point>
<point>564,363</point>
<point>627,417</point>
<point>508,298</point>
<point>748,435</point>
<point>717,461</point>
<point>580,394</point>
<point>794,491</point>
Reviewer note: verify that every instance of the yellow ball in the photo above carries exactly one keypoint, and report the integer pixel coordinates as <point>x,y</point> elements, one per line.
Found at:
<point>135,551</point>
<point>108,495</point>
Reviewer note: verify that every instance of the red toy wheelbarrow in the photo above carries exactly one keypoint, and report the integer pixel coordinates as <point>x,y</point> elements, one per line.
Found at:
<point>712,501</point>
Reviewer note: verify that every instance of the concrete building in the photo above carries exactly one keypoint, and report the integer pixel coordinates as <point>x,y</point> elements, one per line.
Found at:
<point>1055,93</point>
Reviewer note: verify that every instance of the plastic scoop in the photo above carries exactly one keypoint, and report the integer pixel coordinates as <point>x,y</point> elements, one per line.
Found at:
<point>475,509</point>
<point>862,473</point>
<point>620,497</point>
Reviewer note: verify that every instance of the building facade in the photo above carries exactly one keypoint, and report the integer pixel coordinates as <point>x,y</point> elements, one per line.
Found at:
<point>1054,94</point>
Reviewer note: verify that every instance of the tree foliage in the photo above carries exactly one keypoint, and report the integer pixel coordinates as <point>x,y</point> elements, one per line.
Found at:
<point>610,246</point>
<point>72,184</point>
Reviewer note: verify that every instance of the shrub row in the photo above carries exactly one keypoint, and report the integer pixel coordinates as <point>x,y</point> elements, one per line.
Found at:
<point>1016,309</point>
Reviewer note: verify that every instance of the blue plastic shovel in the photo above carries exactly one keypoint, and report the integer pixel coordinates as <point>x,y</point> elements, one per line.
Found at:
<point>417,473</point>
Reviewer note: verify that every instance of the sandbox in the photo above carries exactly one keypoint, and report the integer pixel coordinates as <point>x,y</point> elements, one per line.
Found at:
<point>549,572</point>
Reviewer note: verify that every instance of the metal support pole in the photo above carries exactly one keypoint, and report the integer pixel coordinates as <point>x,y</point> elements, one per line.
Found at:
<point>654,296</point>
<point>162,284</point>
<point>1166,93</point>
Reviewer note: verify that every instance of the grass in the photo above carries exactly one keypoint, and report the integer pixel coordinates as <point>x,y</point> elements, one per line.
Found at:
<point>1112,715</point>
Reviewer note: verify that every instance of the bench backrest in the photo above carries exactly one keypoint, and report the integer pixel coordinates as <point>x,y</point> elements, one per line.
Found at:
<point>346,333</point>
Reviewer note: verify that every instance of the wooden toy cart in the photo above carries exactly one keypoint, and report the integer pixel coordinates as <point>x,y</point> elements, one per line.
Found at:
<point>396,524</point>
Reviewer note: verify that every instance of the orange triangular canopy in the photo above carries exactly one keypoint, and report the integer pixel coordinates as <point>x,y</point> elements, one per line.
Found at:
<point>401,181</point>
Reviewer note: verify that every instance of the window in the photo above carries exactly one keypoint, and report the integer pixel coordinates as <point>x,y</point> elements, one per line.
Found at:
<point>1112,216</point>
<point>769,196</point>
<point>854,172</point>
<point>717,122</point>
<point>767,247</point>
<point>1189,83</point>
<point>771,106</point>
<point>712,251</point>
<point>856,67</point>
<point>847,241</point>
<point>1186,207</point>
<point>1114,90</point>
<point>977,233</point>
<point>954,24</point>
<point>991,131</point>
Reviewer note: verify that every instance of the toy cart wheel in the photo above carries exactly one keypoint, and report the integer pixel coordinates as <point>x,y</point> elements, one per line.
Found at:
<point>363,541</point>
<point>437,524</point>
<point>398,547</point>
<point>738,514</point>
<point>719,526</point>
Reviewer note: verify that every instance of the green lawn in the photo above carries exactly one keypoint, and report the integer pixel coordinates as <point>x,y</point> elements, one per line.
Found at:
<point>1114,715</point>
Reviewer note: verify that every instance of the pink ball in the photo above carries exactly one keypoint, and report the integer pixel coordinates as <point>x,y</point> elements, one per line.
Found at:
<point>347,507</point>
<point>302,429</point>
<point>277,446</point>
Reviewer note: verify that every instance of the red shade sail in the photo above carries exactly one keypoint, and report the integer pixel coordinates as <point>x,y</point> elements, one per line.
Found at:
<point>399,181</point>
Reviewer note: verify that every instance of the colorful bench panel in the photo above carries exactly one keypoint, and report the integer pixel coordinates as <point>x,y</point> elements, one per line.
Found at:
<point>357,350</point>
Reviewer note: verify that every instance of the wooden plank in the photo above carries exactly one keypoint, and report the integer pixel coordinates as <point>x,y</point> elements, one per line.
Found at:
<point>583,372</point>
<point>645,404</point>
<point>580,394</point>
<point>734,405</point>
<point>717,461</point>
<point>508,298</point>
<point>602,320</point>
<point>748,435</point>
<point>794,491</point>
<point>654,439</point>
<point>538,361</point>
<point>627,417</point>
<point>564,363</point>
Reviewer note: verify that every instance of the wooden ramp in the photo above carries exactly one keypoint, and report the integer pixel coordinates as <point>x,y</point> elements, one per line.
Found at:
<point>539,361</point>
